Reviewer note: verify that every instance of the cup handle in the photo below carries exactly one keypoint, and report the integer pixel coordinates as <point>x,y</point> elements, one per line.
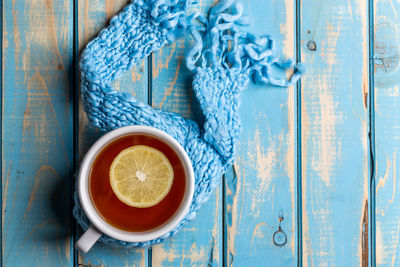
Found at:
<point>88,239</point>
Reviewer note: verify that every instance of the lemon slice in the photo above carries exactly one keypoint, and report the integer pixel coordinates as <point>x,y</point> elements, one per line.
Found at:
<point>141,176</point>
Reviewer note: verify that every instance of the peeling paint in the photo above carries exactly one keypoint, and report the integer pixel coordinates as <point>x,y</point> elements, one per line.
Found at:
<point>257,232</point>
<point>364,236</point>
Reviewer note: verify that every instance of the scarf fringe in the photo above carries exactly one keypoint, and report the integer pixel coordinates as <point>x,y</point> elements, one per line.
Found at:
<point>219,42</point>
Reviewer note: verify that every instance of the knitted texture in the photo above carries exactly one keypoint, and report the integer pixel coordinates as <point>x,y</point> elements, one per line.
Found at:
<point>223,60</point>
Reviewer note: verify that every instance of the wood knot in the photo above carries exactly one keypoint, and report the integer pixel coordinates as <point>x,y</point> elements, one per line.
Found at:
<point>312,45</point>
<point>386,54</point>
<point>279,238</point>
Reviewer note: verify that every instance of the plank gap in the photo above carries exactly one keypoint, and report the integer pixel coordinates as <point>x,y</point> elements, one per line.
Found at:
<point>299,218</point>
<point>150,79</point>
<point>1,127</point>
<point>224,235</point>
<point>371,126</point>
<point>75,93</point>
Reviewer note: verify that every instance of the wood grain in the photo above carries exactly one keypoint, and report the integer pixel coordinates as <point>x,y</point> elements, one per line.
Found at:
<point>199,243</point>
<point>387,131</point>
<point>37,133</point>
<point>334,121</point>
<point>93,15</point>
<point>263,191</point>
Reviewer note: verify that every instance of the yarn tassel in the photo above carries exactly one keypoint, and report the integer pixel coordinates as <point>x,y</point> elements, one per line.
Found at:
<point>223,60</point>
<point>232,49</point>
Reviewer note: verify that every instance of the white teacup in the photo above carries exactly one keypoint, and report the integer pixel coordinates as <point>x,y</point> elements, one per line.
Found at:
<point>99,225</point>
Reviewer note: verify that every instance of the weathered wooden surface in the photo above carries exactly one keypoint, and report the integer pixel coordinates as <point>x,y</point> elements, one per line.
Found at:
<point>264,187</point>
<point>314,137</point>
<point>334,133</point>
<point>37,133</point>
<point>387,131</point>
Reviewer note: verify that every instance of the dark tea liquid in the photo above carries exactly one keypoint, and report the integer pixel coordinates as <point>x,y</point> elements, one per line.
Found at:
<point>117,213</point>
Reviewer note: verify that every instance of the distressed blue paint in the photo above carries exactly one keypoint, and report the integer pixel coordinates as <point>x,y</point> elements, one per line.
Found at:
<point>93,16</point>
<point>37,133</point>
<point>37,140</point>
<point>334,123</point>
<point>199,243</point>
<point>265,182</point>
<point>387,131</point>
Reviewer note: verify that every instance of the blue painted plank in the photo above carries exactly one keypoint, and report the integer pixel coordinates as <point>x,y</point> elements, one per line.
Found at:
<point>387,131</point>
<point>200,242</point>
<point>262,188</point>
<point>37,150</point>
<point>334,122</point>
<point>93,15</point>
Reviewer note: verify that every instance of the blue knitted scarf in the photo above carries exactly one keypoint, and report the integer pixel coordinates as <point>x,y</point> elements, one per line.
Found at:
<point>223,60</point>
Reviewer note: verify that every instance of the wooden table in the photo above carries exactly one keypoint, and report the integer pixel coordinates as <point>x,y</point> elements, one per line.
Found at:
<point>318,159</point>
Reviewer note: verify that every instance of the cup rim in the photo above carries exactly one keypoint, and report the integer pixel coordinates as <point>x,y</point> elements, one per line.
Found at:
<point>91,212</point>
